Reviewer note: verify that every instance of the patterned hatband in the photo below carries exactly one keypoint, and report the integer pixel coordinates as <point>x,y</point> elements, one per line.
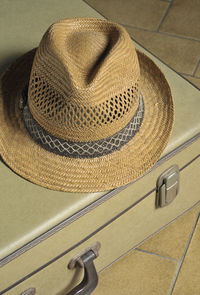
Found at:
<point>89,149</point>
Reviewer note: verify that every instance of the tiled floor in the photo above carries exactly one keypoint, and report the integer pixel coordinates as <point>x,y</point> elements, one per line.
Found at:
<point>169,29</point>
<point>166,264</point>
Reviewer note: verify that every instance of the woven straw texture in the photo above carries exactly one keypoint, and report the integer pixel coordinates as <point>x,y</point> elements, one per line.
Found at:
<point>115,70</point>
<point>79,82</point>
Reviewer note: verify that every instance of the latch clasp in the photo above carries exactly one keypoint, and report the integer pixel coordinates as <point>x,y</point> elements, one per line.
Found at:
<point>167,186</point>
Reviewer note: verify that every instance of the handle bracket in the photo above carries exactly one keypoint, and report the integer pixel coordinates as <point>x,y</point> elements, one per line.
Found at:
<point>90,279</point>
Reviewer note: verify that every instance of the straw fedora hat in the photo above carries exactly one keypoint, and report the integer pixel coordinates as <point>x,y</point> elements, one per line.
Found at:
<point>85,111</point>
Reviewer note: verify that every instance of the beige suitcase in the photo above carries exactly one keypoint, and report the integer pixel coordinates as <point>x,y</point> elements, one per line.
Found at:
<point>41,231</point>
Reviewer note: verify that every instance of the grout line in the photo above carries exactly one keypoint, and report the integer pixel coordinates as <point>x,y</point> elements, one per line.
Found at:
<point>189,75</point>
<point>184,254</point>
<point>161,33</point>
<point>161,256</point>
<point>186,74</point>
<point>147,30</point>
<point>142,46</point>
<point>138,28</point>
<point>179,36</point>
<point>164,16</point>
<point>195,68</point>
<point>147,238</point>
<point>94,8</point>
<point>164,62</point>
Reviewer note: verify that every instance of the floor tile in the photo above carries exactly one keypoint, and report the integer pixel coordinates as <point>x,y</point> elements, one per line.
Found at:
<point>193,80</point>
<point>181,54</point>
<point>137,274</point>
<point>171,242</point>
<point>183,19</point>
<point>188,279</point>
<point>140,13</point>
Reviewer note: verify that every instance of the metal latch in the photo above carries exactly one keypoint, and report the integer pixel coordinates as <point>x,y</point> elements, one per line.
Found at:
<point>167,186</point>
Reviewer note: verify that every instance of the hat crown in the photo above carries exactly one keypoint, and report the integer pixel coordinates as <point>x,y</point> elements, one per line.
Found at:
<point>84,79</point>
<point>62,102</point>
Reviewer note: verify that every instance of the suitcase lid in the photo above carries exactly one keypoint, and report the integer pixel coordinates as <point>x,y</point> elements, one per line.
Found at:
<point>28,210</point>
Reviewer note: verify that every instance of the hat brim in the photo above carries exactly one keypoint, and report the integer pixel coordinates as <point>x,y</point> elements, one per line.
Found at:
<point>56,172</point>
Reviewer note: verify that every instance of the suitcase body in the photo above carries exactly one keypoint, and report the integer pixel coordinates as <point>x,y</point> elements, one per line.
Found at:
<point>42,230</point>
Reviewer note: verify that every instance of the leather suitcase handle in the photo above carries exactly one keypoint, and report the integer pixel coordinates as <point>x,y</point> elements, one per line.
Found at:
<point>90,279</point>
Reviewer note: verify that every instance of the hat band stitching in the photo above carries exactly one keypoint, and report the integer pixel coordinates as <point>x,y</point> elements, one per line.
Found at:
<point>90,149</point>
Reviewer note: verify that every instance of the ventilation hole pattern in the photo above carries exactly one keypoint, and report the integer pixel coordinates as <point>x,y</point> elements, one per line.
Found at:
<point>48,102</point>
<point>84,149</point>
